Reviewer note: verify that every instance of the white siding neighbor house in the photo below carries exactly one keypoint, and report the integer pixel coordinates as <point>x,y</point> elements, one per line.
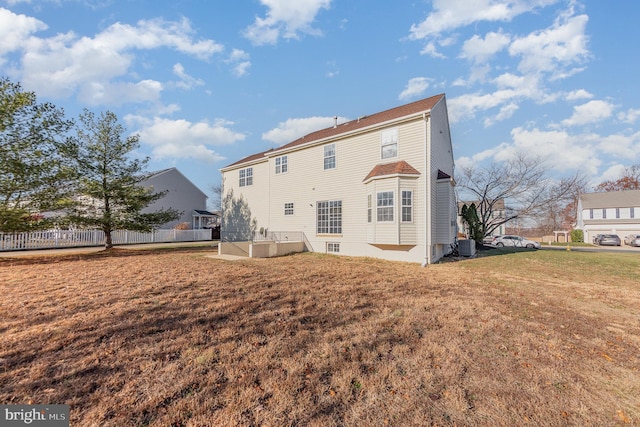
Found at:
<point>380,186</point>
<point>614,212</point>
<point>182,195</point>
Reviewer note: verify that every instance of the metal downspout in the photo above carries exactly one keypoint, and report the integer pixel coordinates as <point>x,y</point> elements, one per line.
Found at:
<point>427,191</point>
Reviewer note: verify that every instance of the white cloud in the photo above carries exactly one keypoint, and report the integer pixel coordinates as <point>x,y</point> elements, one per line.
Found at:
<point>466,106</point>
<point>479,50</point>
<point>415,87</point>
<point>506,112</point>
<point>66,64</point>
<point>184,139</point>
<point>287,19</point>
<point>15,30</point>
<point>630,116</point>
<point>186,82</point>
<point>560,150</point>
<point>555,50</point>
<point>451,14</point>
<point>622,146</point>
<point>431,50</point>
<point>591,112</point>
<point>239,60</point>
<point>97,93</point>
<point>292,129</point>
<point>578,95</point>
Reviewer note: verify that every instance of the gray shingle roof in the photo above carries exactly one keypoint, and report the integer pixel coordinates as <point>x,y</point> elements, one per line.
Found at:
<point>611,199</point>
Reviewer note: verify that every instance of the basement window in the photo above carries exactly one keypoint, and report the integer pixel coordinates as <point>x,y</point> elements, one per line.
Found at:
<point>333,247</point>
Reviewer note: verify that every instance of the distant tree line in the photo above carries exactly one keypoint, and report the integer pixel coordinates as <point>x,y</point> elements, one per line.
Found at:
<point>57,171</point>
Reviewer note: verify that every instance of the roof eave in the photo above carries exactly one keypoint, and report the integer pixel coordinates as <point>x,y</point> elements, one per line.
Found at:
<point>392,175</point>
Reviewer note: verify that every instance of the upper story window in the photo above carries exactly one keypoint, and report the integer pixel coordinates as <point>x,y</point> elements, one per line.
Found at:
<point>281,164</point>
<point>246,177</point>
<point>632,213</point>
<point>389,143</point>
<point>590,213</point>
<point>385,206</point>
<point>604,214</point>
<point>407,206</point>
<point>617,212</point>
<point>329,156</point>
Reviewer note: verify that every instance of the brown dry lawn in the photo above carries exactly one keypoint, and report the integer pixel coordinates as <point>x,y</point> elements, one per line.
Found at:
<point>175,338</point>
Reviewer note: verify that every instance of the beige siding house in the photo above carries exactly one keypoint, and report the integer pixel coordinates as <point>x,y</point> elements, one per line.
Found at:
<point>380,186</point>
<point>615,212</point>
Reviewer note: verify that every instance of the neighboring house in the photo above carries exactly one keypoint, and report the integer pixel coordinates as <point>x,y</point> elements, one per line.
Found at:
<point>183,196</point>
<point>380,186</point>
<point>497,215</point>
<point>614,212</point>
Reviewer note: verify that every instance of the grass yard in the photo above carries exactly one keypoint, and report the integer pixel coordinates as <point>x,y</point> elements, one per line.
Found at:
<point>174,338</point>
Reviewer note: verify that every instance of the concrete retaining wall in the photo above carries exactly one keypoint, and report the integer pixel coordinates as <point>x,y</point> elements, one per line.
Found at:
<point>235,248</point>
<point>271,249</point>
<point>260,249</point>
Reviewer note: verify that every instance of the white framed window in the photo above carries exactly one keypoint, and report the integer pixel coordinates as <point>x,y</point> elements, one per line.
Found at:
<point>618,213</point>
<point>369,208</point>
<point>407,206</point>
<point>389,143</point>
<point>246,177</point>
<point>288,208</point>
<point>282,164</point>
<point>384,203</point>
<point>590,213</point>
<point>632,212</point>
<point>329,217</point>
<point>333,247</point>
<point>604,214</point>
<point>330,156</point>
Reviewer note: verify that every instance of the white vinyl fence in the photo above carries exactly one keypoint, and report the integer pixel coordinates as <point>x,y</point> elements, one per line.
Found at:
<point>50,239</point>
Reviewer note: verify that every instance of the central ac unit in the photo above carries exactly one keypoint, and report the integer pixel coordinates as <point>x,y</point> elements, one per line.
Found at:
<point>467,247</point>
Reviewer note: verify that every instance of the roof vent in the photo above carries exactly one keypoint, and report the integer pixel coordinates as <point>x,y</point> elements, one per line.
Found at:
<point>335,121</point>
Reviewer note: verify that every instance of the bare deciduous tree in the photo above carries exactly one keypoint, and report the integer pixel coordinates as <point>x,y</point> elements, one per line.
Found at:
<point>520,185</point>
<point>215,202</point>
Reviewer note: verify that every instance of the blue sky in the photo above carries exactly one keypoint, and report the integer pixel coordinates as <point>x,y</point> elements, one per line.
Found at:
<point>205,83</point>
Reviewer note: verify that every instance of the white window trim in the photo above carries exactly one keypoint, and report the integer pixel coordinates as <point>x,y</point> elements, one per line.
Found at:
<point>337,229</point>
<point>282,165</point>
<point>333,247</point>
<point>289,209</point>
<point>388,138</point>
<point>392,208</point>
<point>402,206</point>
<point>245,177</point>
<point>325,157</point>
